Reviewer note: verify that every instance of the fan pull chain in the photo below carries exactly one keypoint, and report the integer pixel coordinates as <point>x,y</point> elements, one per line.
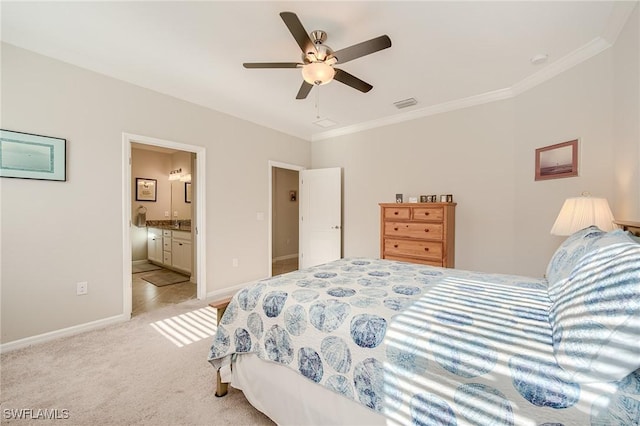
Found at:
<point>318,101</point>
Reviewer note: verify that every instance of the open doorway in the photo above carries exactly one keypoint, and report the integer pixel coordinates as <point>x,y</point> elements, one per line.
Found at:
<point>284,230</point>
<point>164,210</point>
<point>161,238</point>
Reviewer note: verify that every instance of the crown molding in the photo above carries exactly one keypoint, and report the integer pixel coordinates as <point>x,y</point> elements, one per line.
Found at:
<point>483,98</point>
<point>589,50</point>
<point>619,16</point>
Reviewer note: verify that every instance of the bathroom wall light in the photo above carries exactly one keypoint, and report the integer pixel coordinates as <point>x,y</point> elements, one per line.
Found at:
<point>186,177</point>
<point>175,174</point>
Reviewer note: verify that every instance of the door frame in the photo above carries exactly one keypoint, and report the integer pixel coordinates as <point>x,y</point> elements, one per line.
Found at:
<point>199,214</point>
<point>272,165</point>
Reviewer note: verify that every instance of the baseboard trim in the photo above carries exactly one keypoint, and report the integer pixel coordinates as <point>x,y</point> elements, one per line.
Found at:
<point>226,292</point>
<point>285,257</point>
<point>56,334</point>
<point>139,262</point>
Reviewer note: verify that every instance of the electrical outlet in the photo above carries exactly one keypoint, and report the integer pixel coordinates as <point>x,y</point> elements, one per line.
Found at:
<point>82,288</point>
<point>175,213</point>
<point>234,262</point>
<point>166,214</point>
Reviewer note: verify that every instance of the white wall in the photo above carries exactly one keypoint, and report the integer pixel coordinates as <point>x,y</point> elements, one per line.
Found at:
<point>576,104</point>
<point>433,155</point>
<point>485,156</point>
<point>626,119</point>
<point>55,234</point>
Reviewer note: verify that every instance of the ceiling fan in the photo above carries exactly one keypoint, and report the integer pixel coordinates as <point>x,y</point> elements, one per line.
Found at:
<point>318,59</point>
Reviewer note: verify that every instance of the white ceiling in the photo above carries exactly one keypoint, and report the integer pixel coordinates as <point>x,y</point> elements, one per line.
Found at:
<point>444,54</point>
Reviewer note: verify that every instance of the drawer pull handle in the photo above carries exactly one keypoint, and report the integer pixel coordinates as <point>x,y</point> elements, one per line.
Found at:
<point>426,229</point>
<point>426,213</point>
<point>395,229</point>
<point>396,213</point>
<point>395,246</point>
<point>426,249</point>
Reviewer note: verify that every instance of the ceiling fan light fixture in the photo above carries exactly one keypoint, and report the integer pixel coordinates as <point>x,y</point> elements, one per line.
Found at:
<point>318,73</point>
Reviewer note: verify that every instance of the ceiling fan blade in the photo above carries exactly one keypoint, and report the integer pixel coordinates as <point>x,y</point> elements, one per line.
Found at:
<point>271,65</point>
<point>298,32</point>
<point>350,80</point>
<point>361,49</point>
<point>304,90</point>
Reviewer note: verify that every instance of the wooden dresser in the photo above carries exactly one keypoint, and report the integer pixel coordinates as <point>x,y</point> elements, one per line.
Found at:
<point>418,233</point>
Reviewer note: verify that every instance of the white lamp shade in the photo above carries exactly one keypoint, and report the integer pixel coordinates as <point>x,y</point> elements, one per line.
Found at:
<point>318,73</point>
<point>580,212</point>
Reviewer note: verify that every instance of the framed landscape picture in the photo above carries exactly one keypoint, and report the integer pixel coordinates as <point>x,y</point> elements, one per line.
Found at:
<point>29,156</point>
<point>557,161</point>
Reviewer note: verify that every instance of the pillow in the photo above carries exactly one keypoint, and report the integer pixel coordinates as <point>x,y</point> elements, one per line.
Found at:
<point>595,319</point>
<point>617,236</point>
<point>569,254</point>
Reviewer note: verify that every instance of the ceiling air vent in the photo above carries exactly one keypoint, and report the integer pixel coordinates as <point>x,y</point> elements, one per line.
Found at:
<point>405,103</point>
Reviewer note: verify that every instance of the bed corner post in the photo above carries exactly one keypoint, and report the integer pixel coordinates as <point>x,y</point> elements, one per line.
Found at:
<point>221,388</point>
<point>220,306</point>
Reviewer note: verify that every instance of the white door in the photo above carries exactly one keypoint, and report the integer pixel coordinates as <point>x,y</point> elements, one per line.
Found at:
<point>320,216</point>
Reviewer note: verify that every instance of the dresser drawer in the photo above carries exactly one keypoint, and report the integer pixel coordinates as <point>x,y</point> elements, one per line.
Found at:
<point>429,231</point>
<point>428,213</point>
<point>397,213</point>
<point>430,262</point>
<point>420,249</point>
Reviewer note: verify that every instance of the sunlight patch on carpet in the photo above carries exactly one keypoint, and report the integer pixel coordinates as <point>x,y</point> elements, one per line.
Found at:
<point>188,328</point>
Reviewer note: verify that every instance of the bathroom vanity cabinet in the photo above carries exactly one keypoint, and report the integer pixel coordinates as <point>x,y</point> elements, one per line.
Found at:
<point>154,245</point>
<point>169,248</point>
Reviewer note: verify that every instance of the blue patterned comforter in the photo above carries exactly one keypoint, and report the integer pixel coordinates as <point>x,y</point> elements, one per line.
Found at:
<point>421,345</point>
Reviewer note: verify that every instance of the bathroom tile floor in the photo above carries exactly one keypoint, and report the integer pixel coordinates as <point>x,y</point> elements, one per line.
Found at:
<point>147,297</point>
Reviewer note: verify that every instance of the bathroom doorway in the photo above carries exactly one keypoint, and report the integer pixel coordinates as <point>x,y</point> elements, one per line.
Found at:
<point>161,240</point>
<point>165,210</point>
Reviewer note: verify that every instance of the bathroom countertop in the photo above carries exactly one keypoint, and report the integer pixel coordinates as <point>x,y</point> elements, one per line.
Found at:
<point>171,227</point>
<point>185,225</point>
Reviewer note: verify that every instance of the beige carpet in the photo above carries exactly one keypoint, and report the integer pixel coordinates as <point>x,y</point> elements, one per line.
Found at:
<point>126,374</point>
<point>164,277</point>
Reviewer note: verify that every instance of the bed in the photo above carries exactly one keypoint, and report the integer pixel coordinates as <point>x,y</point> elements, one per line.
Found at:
<point>371,341</point>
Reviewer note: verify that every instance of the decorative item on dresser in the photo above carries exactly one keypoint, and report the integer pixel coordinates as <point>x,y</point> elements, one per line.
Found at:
<point>418,233</point>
